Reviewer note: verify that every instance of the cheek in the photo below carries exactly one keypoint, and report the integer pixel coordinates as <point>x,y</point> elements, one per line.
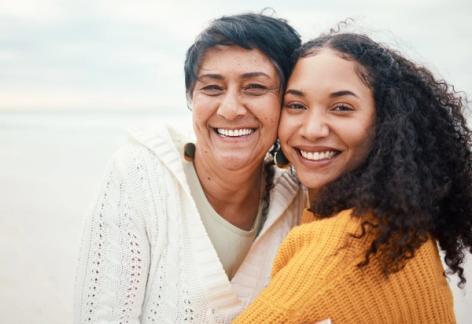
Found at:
<point>267,112</point>
<point>361,144</point>
<point>287,126</point>
<point>270,127</point>
<point>366,144</point>
<point>196,117</point>
<point>358,137</point>
<point>356,132</point>
<point>202,108</point>
<point>273,123</point>
<point>270,116</point>
<point>200,119</point>
<point>268,105</point>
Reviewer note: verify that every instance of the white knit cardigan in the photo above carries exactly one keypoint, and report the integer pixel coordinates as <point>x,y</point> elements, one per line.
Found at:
<point>145,255</point>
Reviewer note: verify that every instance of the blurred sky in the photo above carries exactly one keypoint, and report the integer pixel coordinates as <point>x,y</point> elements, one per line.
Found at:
<point>123,55</point>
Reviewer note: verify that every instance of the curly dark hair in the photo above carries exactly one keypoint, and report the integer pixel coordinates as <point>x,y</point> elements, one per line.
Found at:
<point>417,179</point>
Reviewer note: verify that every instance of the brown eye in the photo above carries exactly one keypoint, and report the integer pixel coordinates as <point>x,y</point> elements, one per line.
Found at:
<point>255,89</point>
<point>342,108</point>
<point>212,90</point>
<point>295,106</point>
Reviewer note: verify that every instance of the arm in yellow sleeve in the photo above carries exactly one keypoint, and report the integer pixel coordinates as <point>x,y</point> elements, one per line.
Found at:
<point>316,277</point>
<point>314,263</point>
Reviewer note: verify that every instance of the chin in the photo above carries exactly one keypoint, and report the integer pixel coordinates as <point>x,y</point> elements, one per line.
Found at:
<point>233,162</point>
<point>313,181</point>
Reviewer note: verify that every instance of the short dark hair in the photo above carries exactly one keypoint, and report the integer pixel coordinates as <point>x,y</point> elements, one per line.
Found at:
<point>272,36</point>
<point>417,179</point>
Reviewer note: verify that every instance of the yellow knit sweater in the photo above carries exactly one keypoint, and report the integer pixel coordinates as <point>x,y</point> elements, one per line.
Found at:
<point>315,277</point>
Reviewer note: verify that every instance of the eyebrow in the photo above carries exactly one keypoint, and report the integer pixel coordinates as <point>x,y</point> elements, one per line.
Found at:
<point>343,93</point>
<point>213,76</point>
<point>248,75</point>
<point>336,94</point>
<point>254,74</point>
<point>294,92</point>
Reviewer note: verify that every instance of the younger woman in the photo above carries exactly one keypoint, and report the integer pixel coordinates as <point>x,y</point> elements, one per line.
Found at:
<point>385,152</point>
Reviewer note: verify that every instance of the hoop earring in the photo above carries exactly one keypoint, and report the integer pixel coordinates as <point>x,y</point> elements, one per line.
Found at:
<point>189,152</point>
<point>280,159</point>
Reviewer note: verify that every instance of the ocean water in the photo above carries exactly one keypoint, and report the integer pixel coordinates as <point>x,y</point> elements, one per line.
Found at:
<point>51,165</point>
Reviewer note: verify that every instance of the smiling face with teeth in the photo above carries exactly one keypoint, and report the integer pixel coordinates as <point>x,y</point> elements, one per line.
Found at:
<point>236,107</point>
<point>328,118</point>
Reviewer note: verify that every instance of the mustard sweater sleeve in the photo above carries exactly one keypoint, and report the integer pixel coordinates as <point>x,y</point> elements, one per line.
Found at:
<point>316,277</point>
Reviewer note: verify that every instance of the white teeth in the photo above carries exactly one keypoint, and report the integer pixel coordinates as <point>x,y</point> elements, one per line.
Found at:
<point>234,132</point>
<point>318,156</point>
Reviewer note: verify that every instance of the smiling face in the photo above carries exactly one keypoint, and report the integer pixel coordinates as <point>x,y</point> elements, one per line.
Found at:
<point>236,107</point>
<point>328,118</point>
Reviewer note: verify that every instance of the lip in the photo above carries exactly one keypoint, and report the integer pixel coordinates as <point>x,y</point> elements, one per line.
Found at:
<point>234,138</point>
<point>316,149</point>
<point>233,127</point>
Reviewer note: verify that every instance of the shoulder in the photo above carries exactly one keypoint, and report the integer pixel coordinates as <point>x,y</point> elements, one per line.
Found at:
<point>427,257</point>
<point>131,157</point>
<point>160,138</point>
<point>322,242</point>
<point>152,147</point>
<point>135,165</point>
<point>343,232</point>
<point>341,224</point>
<point>328,234</point>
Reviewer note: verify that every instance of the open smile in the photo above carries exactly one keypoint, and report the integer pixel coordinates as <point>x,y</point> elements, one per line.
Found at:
<point>319,155</point>
<point>240,132</point>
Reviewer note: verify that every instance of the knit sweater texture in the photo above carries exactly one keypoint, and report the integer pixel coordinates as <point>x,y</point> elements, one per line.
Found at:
<point>316,277</point>
<point>145,255</point>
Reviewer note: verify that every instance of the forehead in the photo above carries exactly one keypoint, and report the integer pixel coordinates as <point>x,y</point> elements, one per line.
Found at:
<point>235,60</point>
<point>327,70</point>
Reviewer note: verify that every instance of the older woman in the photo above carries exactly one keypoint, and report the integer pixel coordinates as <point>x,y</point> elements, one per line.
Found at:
<point>384,149</point>
<point>175,240</point>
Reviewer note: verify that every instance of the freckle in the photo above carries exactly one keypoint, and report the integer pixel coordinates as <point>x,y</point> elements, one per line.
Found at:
<point>209,179</point>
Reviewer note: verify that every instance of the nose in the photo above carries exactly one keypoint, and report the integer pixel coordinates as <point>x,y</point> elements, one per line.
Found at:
<point>231,106</point>
<point>315,126</point>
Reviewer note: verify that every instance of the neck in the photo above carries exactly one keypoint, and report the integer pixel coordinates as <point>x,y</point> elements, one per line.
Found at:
<point>234,194</point>
<point>312,193</point>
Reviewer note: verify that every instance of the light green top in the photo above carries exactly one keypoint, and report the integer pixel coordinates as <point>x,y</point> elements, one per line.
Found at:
<point>230,242</point>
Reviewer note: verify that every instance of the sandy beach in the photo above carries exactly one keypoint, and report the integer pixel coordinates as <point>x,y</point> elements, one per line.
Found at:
<point>51,167</point>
